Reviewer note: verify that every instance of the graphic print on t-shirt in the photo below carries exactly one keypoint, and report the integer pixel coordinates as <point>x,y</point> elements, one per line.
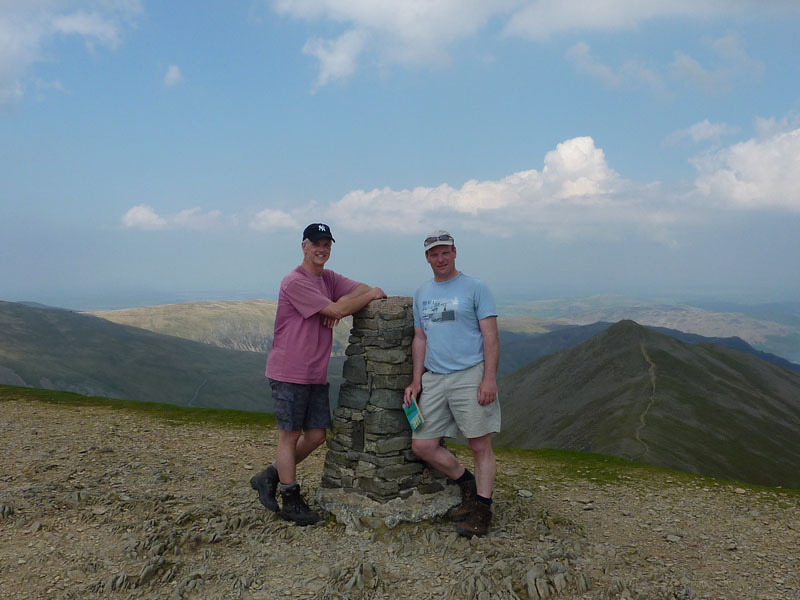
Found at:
<point>439,311</point>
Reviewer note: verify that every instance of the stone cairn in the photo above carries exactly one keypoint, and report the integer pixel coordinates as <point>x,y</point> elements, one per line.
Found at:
<point>371,475</point>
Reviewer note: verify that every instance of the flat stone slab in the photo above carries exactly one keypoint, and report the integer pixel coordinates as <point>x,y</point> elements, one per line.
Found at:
<point>358,512</point>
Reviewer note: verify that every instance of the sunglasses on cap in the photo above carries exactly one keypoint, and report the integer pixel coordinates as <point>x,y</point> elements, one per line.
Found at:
<point>441,238</point>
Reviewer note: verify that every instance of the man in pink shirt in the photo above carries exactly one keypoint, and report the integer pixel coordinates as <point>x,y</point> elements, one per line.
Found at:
<point>311,302</point>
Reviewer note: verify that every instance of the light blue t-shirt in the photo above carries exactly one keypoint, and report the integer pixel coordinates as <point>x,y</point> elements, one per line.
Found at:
<point>449,312</point>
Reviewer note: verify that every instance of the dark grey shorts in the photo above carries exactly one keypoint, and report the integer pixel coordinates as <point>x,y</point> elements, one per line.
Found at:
<point>301,405</point>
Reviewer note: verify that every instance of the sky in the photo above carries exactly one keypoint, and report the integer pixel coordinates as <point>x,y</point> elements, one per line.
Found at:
<point>155,152</point>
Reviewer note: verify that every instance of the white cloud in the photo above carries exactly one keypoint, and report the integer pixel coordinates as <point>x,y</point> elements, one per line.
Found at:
<point>541,19</point>
<point>629,74</point>
<point>196,219</point>
<point>337,58</point>
<point>93,27</point>
<point>143,217</point>
<point>271,220</point>
<point>26,27</point>
<point>704,131</point>
<point>761,173</point>
<point>173,76</point>
<point>575,193</point>
<point>733,65</point>
<point>408,31</point>
<point>767,127</point>
<point>421,32</point>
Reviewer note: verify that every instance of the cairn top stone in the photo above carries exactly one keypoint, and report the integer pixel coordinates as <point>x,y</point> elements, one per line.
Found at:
<point>394,305</point>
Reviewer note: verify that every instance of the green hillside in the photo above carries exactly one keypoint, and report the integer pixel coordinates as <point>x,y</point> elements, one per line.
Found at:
<point>635,393</point>
<point>57,349</point>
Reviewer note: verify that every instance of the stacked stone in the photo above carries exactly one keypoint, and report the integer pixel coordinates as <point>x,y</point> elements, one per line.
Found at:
<point>370,451</point>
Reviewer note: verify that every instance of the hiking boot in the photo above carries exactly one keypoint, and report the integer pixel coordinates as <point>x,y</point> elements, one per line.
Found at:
<point>295,507</point>
<point>468,494</point>
<point>266,484</point>
<point>478,521</point>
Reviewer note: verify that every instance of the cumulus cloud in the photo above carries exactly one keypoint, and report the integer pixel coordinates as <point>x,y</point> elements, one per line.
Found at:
<point>575,193</point>
<point>143,217</point>
<point>26,27</point>
<point>337,58</point>
<point>704,131</point>
<point>761,173</point>
<point>271,220</point>
<point>173,76</point>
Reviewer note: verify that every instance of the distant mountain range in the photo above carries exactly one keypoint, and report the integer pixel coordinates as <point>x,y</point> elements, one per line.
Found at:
<point>248,325</point>
<point>241,325</point>
<point>722,408</point>
<point>519,349</point>
<point>632,392</point>
<point>772,328</point>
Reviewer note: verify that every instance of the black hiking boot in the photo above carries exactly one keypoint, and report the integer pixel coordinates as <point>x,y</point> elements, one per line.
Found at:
<point>295,507</point>
<point>266,484</point>
<point>469,494</point>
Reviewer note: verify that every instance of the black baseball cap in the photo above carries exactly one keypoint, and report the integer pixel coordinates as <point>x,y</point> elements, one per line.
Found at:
<point>317,231</point>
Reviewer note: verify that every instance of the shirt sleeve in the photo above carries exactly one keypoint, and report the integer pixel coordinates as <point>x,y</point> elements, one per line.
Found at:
<point>342,285</point>
<point>307,299</point>
<point>484,302</point>
<point>415,310</point>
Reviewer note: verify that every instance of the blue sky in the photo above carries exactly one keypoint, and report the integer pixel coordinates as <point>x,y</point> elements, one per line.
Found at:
<point>166,151</point>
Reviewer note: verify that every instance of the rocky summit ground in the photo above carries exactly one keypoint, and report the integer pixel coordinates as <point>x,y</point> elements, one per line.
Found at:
<point>100,502</point>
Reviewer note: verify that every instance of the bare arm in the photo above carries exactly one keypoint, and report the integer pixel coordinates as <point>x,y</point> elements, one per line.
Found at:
<point>351,303</point>
<point>487,391</point>
<point>418,347</point>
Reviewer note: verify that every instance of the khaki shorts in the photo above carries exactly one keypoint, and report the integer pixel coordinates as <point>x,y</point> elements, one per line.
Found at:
<point>449,404</point>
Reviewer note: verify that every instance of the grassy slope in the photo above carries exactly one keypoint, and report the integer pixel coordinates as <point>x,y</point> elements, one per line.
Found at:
<point>63,350</point>
<point>715,410</point>
<point>551,462</point>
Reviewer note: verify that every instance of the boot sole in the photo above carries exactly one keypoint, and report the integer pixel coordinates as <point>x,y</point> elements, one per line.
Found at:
<point>300,522</point>
<point>468,534</point>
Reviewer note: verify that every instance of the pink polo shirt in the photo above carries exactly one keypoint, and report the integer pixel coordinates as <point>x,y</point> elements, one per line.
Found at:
<point>301,346</point>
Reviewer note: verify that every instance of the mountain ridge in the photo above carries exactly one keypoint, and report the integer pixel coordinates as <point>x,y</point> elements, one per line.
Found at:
<point>635,393</point>
<point>58,349</point>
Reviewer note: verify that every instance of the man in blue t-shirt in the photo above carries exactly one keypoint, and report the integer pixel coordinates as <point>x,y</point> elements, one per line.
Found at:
<point>455,353</point>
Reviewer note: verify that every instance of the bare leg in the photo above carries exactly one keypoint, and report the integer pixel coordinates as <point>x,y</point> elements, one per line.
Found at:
<point>293,448</point>
<point>485,464</point>
<point>438,457</point>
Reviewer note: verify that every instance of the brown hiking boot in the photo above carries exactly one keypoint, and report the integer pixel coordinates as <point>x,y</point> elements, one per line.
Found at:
<point>478,521</point>
<point>468,494</point>
<point>295,507</point>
